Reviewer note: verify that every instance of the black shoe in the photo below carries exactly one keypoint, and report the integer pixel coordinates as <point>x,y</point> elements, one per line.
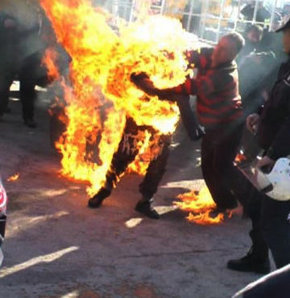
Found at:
<point>145,208</point>
<point>97,200</point>
<point>250,263</point>
<point>216,211</point>
<point>222,209</point>
<point>30,123</point>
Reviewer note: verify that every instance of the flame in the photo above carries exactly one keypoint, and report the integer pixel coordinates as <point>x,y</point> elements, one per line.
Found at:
<point>205,218</point>
<point>100,95</point>
<point>240,157</point>
<point>13,178</point>
<point>48,60</point>
<point>199,204</point>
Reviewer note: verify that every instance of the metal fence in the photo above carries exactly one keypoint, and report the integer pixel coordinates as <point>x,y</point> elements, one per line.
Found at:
<point>208,19</point>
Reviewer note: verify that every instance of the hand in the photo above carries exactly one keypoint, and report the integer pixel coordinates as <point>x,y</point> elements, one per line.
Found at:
<point>252,123</point>
<point>265,164</point>
<point>143,82</point>
<point>135,78</point>
<point>198,133</point>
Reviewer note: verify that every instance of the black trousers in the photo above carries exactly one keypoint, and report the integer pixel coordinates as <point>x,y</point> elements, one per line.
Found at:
<point>6,79</point>
<point>127,152</point>
<point>275,223</point>
<point>227,184</point>
<point>270,223</point>
<point>224,181</point>
<point>29,72</point>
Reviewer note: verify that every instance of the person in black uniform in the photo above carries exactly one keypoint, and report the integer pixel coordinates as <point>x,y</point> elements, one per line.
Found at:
<point>272,128</point>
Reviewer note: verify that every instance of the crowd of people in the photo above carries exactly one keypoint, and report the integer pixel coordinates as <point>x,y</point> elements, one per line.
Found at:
<point>220,112</point>
<point>239,105</point>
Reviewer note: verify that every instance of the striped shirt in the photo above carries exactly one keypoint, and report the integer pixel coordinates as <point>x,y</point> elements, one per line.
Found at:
<point>217,90</point>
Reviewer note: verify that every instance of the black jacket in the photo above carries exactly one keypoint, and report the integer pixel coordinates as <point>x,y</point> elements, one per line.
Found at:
<point>274,127</point>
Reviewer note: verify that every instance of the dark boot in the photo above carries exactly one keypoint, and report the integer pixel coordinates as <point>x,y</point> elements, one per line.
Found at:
<point>97,200</point>
<point>144,207</point>
<point>256,260</point>
<point>250,263</point>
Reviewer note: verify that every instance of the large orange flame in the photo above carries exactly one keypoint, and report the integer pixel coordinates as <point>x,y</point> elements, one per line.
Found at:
<point>199,204</point>
<point>101,95</point>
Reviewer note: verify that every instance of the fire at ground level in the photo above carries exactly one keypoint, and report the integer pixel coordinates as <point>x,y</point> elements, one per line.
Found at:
<point>55,246</point>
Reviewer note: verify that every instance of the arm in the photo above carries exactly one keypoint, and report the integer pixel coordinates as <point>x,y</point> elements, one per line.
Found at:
<point>143,82</point>
<point>190,123</point>
<point>279,148</point>
<point>199,58</point>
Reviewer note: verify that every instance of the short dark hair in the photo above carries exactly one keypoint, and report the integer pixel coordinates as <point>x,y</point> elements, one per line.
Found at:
<point>237,38</point>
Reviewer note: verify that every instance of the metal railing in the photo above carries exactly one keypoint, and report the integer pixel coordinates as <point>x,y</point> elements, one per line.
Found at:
<point>206,25</point>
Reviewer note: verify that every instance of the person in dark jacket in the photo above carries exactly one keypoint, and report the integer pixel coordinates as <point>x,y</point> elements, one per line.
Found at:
<point>272,129</point>
<point>256,78</point>
<point>248,11</point>
<point>253,36</point>
<point>21,58</point>
<point>8,54</point>
<point>219,111</point>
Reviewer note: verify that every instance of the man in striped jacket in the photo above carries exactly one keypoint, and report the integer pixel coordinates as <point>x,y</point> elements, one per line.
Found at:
<point>219,110</point>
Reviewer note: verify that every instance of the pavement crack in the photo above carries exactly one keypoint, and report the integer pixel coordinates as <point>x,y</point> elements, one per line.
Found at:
<point>195,251</point>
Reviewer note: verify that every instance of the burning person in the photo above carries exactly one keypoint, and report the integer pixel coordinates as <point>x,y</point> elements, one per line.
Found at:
<point>126,153</point>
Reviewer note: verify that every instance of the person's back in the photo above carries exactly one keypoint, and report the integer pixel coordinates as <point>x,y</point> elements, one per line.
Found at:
<point>255,78</point>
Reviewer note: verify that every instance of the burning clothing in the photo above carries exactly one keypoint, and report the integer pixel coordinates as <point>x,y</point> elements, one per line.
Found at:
<point>127,153</point>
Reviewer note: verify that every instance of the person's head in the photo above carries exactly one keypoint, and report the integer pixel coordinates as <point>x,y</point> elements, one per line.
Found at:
<point>260,4</point>
<point>285,28</point>
<point>227,48</point>
<point>254,33</point>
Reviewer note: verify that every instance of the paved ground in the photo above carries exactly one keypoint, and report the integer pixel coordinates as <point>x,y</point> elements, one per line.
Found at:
<point>56,247</point>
